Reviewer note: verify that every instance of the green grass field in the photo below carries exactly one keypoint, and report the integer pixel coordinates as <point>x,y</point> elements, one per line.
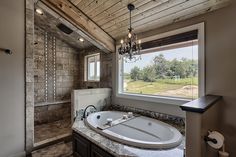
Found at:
<point>169,87</point>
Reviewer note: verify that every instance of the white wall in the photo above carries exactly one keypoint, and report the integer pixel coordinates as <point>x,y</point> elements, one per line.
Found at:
<point>81,98</point>
<point>12,125</point>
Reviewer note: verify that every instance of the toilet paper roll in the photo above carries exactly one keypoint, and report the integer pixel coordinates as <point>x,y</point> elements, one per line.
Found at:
<point>219,138</point>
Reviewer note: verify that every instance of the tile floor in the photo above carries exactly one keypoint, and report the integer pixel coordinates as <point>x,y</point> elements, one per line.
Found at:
<point>57,150</point>
<point>52,131</point>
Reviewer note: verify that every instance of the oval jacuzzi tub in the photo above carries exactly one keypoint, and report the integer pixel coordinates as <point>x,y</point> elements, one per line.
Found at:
<point>137,131</point>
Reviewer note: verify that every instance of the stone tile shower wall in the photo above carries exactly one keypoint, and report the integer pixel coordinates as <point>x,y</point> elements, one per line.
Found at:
<point>56,73</point>
<point>29,75</point>
<point>67,71</point>
<point>39,66</point>
<point>52,113</point>
<point>106,69</point>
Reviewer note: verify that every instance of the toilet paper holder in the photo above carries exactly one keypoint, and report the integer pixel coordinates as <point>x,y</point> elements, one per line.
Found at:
<point>216,141</point>
<point>207,139</point>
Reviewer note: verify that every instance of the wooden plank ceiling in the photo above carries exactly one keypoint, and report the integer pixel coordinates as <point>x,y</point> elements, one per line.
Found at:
<point>112,15</point>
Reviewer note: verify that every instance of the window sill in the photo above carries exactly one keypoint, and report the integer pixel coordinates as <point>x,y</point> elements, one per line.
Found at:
<point>155,99</point>
<point>93,81</point>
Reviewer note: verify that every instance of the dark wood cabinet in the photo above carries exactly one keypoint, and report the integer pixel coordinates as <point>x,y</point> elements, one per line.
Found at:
<point>81,146</point>
<point>84,148</point>
<point>98,152</point>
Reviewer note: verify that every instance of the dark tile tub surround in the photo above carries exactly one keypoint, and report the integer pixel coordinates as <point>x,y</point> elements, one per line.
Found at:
<point>177,122</point>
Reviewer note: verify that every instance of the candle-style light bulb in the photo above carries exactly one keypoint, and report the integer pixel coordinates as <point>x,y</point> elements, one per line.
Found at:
<point>121,41</point>
<point>139,41</point>
<point>129,35</point>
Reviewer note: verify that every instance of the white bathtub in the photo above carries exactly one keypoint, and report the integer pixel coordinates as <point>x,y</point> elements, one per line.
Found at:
<point>138,131</point>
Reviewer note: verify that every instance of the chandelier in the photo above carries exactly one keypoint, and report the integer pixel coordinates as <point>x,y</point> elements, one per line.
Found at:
<point>130,47</point>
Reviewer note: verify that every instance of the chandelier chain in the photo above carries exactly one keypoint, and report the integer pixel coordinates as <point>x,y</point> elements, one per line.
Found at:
<point>130,47</point>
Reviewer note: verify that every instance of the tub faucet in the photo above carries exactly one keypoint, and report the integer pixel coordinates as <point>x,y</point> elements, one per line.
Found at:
<point>84,115</point>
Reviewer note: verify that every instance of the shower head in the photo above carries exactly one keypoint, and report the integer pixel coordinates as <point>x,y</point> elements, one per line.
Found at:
<point>64,28</point>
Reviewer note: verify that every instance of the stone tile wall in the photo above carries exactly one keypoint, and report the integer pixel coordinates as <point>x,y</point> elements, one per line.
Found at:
<point>66,70</point>
<point>29,75</point>
<point>69,75</point>
<point>55,76</point>
<point>39,66</point>
<point>52,113</point>
<point>106,69</point>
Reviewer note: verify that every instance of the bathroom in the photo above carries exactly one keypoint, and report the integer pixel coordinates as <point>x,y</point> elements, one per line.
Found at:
<point>61,61</point>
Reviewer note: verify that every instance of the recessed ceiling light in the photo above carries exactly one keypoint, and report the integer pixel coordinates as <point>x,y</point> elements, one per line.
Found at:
<point>81,39</point>
<point>39,11</point>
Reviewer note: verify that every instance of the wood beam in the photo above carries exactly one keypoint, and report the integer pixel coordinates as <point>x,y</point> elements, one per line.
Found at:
<point>75,2</point>
<point>90,30</point>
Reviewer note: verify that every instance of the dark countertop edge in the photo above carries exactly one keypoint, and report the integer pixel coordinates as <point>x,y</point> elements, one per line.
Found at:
<point>199,105</point>
<point>96,142</point>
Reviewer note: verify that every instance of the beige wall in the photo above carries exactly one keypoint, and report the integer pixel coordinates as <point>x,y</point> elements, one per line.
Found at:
<point>220,67</point>
<point>12,135</point>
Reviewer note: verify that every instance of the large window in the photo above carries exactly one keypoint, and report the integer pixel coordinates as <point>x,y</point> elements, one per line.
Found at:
<point>169,68</point>
<point>92,67</point>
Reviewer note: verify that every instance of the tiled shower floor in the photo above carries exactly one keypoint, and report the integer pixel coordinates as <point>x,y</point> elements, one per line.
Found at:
<point>45,133</point>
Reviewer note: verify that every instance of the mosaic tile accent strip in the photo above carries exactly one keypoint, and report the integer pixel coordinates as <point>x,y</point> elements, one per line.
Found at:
<point>50,69</point>
<point>54,68</point>
<point>46,66</point>
<point>177,122</point>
